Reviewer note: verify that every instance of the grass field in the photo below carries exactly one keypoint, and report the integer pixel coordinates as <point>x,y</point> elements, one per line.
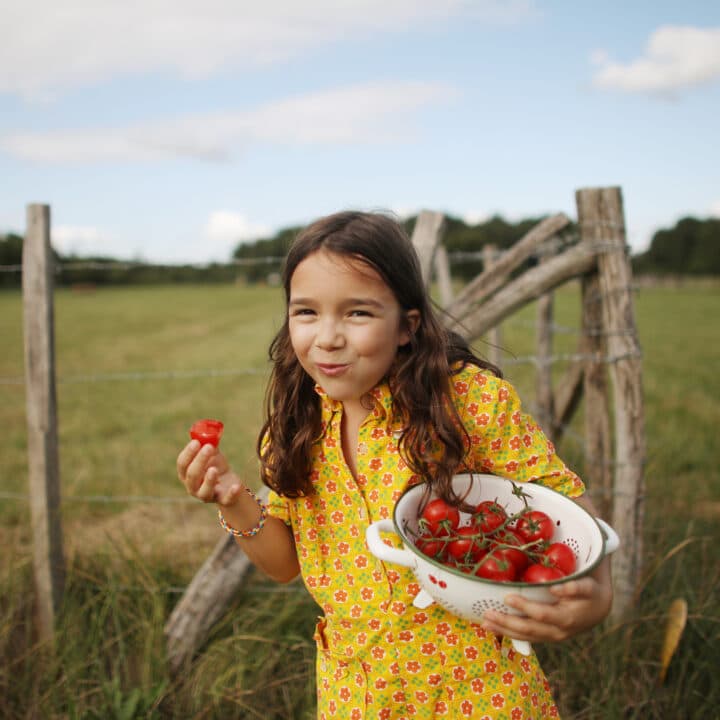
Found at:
<point>137,365</point>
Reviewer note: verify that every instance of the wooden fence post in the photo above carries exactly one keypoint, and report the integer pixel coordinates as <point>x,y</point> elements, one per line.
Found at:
<point>41,407</point>
<point>426,237</point>
<point>544,346</point>
<point>490,255</point>
<point>602,226</point>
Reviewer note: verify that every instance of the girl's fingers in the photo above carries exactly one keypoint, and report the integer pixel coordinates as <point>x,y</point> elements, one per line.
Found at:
<point>185,458</point>
<point>195,479</point>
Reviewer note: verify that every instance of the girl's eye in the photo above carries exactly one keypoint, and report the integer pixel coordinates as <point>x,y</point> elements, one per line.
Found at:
<point>302,311</point>
<point>360,313</point>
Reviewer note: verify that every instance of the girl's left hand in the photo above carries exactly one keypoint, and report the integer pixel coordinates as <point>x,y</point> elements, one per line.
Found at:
<point>581,604</point>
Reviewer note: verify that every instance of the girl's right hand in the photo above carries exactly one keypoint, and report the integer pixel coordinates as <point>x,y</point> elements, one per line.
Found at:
<point>206,475</point>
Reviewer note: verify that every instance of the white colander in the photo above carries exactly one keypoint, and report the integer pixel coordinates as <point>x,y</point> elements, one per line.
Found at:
<point>469,596</point>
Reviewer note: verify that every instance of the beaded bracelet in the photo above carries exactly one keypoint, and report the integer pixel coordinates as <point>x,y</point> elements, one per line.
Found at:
<point>253,531</point>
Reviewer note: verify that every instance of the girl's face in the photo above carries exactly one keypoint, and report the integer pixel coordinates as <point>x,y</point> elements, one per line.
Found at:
<point>345,325</point>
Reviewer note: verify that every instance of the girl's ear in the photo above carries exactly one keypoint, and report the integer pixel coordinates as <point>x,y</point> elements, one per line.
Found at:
<point>412,322</point>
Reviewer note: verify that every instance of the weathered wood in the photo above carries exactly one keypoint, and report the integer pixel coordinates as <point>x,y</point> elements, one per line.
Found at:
<point>41,408</point>
<point>598,439</point>
<point>567,399</point>
<point>600,214</point>
<point>442,272</point>
<point>528,286</point>
<point>206,599</point>
<point>544,346</point>
<point>426,237</point>
<point>492,278</point>
<point>490,255</point>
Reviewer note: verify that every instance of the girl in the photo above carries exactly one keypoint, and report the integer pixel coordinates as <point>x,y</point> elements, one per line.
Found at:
<point>369,393</point>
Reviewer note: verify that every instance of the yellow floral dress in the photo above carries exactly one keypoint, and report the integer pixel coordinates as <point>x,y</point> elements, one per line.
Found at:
<point>380,657</point>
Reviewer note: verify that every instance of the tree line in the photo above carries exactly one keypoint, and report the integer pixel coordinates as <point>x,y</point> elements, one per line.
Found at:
<point>691,247</point>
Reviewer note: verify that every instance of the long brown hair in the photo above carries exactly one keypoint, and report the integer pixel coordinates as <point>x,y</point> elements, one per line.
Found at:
<point>432,443</point>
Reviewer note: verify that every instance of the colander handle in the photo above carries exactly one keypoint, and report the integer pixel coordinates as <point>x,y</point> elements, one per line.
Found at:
<point>612,539</point>
<point>383,551</point>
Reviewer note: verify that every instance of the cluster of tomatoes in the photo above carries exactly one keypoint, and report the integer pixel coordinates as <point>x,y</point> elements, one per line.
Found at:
<point>494,545</point>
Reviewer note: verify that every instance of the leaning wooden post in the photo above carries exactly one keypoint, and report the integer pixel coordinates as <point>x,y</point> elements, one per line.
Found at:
<point>544,346</point>
<point>41,407</point>
<point>489,256</point>
<point>427,233</point>
<point>600,214</point>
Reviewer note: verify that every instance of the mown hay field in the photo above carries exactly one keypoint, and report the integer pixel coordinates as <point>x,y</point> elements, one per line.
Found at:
<point>137,365</point>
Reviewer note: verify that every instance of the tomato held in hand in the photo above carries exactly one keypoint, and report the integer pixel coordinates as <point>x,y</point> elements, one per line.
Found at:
<point>496,568</point>
<point>208,432</point>
<point>562,557</point>
<point>439,518</point>
<point>535,525</point>
<point>539,573</point>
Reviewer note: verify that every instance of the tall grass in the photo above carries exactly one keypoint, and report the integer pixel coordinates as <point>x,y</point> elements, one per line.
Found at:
<point>133,540</point>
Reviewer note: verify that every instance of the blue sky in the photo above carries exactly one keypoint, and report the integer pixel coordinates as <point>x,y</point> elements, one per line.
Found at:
<point>170,131</point>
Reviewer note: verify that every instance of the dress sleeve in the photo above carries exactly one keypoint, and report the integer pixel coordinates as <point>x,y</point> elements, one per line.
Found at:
<point>504,440</point>
<point>278,507</point>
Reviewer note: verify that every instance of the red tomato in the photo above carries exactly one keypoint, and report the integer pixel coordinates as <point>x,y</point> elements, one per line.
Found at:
<point>431,546</point>
<point>489,516</point>
<point>507,545</point>
<point>562,557</point>
<point>465,546</point>
<point>539,573</point>
<point>439,518</point>
<point>208,432</point>
<point>535,525</point>
<point>496,568</point>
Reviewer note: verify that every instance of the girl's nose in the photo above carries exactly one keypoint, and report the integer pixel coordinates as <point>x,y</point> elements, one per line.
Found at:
<point>329,334</point>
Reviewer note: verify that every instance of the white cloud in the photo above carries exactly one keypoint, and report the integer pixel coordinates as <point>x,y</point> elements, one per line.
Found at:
<point>675,58</point>
<point>82,240</point>
<point>359,114</point>
<point>475,217</point>
<point>47,47</point>
<point>226,228</point>
<point>714,210</point>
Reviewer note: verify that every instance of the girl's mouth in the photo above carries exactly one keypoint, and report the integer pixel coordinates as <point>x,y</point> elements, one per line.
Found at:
<point>331,369</point>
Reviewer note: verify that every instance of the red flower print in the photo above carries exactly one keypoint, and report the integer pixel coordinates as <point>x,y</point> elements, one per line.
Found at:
<point>331,486</point>
<point>366,593</point>
<point>356,611</point>
<point>384,714</point>
<point>441,707</point>
<point>374,624</point>
<point>378,653</point>
<point>434,680</point>
<point>473,408</point>
<point>458,673</point>
<point>486,397</point>
<point>516,714</point>
<point>490,666</point>
<point>380,683</point>
<point>356,714</point>
<point>443,628</point>
<point>384,512</point>
<point>343,548</point>
<point>461,387</point>
<point>330,442</point>
<point>377,433</point>
<point>471,652</point>
<point>354,531</point>
<point>527,440</point>
<point>347,500</point>
<point>496,445</point>
<point>532,460</point>
<point>398,696</point>
<point>338,517</point>
<point>413,589</point>
<point>554,711</point>
<point>374,495</point>
<point>361,638</point>
<point>332,707</point>
<point>551,447</point>
<point>406,636</point>
<point>376,463</point>
<point>428,648</point>
<point>480,379</point>
<point>361,561</point>
<point>498,700</point>
<point>311,581</point>
<point>324,580</point>
<point>503,394</point>
<point>516,418</point>
<point>501,418</point>
<point>345,693</point>
<point>511,466</point>
<point>320,519</point>
<point>387,479</point>
<point>483,419</point>
<point>324,549</point>
<point>422,696</point>
<point>525,665</point>
<point>395,669</point>
<point>508,678</point>
<point>312,534</point>
<point>477,685</point>
<point>393,576</point>
<point>487,465</point>
<point>420,618</point>
<point>467,708</point>
<point>452,639</point>
<point>515,442</point>
<point>413,666</point>
<point>338,564</point>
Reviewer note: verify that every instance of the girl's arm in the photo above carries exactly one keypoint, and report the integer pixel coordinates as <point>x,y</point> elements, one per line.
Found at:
<point>581,605</point>
<point>206,475</point>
